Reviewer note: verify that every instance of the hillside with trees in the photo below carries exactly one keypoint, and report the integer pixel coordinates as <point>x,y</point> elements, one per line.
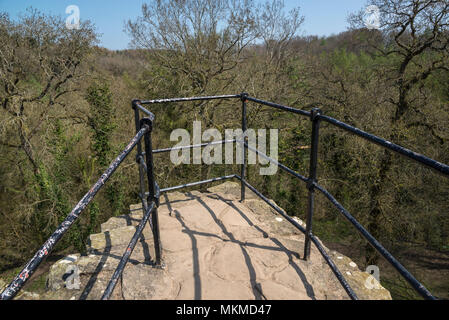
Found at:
<point>66,113</point>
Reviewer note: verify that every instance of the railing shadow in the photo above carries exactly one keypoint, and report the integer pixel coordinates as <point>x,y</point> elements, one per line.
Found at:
<point>93,279</point>
<point>196,262</point>
<point>195,258</point>
<point>258,295</point>
<point>251,270</point>
<point>145,247</point>
<point>309,289</point>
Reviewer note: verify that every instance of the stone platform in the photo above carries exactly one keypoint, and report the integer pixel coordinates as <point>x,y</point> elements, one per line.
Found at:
<point>214,247</point>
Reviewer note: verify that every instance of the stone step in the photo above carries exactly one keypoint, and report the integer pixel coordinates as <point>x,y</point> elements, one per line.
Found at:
<point>115,237</point>
<point>131,219</point>
<point>116,222</point>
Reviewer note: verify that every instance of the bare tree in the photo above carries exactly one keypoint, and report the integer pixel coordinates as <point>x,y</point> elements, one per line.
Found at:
<point>199,41</point>
<point>39,60</point>
<point>203,44</point>
<point>416,34</point>
<point>278,29</point>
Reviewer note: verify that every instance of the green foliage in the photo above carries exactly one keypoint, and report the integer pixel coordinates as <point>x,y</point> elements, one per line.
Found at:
<point>101,120</point>
<point>102,125</point>
<point>53,184</point>
<point>115,194</point>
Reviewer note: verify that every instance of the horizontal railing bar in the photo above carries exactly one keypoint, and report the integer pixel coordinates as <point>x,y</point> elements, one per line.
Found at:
<point>279,106</point>
<point>129,249</point>
<point>193,146</point>
<point>280,165</point>
<point>326,257</point>
<point>229,96</point>
<point>440,167</point>
<point>387,255</point>
<point>191,184</point>
<point>48,246</point>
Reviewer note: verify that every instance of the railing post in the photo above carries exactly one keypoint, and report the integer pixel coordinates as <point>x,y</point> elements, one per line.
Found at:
<point>139,157</point>
<point>243,97</point>
<point>152,186</point>
<point>312,178</point>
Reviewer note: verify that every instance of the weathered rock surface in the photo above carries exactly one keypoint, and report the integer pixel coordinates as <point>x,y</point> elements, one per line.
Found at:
<point>214,247</point>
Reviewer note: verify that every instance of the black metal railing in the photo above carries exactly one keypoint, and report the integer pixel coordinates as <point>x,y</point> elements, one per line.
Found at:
<point>316,117</point>
<point>150,198</point>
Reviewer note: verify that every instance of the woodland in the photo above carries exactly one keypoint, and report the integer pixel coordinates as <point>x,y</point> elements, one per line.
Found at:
<point>65,113</point>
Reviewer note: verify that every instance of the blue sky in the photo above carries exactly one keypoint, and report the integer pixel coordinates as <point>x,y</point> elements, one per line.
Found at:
<point>322,17</point>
